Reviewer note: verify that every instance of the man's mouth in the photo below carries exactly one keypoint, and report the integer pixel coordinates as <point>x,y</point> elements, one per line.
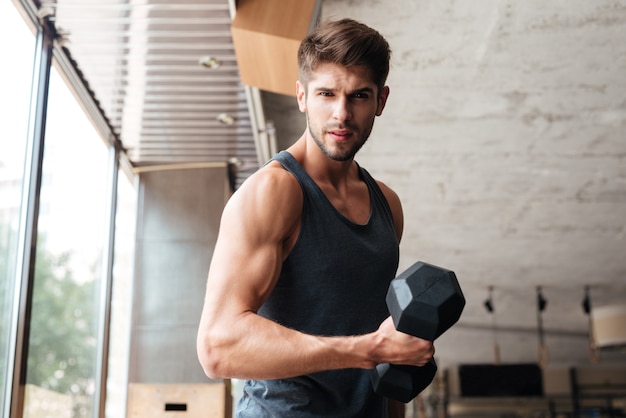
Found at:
<point>340,134</point>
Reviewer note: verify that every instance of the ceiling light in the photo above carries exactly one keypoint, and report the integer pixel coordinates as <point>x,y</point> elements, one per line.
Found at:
<point>542,302</point>
<point>587,302</point>
<point>594,351</point>
<point>491,309</point>
<point>225,119</point>
<point>542,354</point>
<point>209,61</point>
<point>489,301</point>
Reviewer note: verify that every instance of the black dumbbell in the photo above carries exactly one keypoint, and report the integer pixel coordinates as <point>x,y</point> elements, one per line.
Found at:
<point>424,301</point>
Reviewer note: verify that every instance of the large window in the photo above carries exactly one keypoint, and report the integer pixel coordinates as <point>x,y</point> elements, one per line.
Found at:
<point>62,357</point>
<point>16,42</point>
<point>65,332</point>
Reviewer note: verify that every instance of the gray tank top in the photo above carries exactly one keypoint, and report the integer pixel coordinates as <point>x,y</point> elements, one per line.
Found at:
<point>333,282</point>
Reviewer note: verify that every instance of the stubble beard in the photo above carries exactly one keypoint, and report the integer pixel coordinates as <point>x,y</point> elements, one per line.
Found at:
<point>339,154</point>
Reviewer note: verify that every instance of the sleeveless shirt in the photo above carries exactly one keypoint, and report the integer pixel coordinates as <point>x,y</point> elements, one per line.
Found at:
<point>332,283</point>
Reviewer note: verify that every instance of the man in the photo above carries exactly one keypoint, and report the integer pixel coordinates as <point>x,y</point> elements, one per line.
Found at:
<point>295,300</point>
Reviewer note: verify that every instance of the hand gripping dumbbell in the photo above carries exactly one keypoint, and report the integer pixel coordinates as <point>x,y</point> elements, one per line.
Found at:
<point>424,301</point>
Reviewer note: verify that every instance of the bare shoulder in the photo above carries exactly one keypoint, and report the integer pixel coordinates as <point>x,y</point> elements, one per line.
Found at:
<point>389,193</point>
<point>396,206</point>
<point>269,201</point>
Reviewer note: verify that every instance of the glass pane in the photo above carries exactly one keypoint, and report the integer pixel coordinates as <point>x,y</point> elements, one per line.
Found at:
<point>17,42</point>
<point>68,271</point>
<point>119,345</point>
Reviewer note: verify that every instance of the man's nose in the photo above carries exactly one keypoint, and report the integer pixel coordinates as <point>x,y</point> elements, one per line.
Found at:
<point>341,109</point>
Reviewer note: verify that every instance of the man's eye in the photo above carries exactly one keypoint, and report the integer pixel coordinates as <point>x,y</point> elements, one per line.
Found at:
<point>325,93</point>
<point>360,95</point>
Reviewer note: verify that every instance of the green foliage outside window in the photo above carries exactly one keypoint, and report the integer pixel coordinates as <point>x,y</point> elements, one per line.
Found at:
<point>62,343</point>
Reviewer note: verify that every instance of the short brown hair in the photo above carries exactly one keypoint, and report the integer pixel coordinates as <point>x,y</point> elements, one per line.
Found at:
<point>348,43</point>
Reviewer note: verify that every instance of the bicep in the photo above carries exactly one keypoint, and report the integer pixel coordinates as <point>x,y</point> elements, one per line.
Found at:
<point>249,250</point>
<point>244,266</point>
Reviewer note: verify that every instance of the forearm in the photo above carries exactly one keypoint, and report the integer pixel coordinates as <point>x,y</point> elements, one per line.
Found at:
<point>253,347</point>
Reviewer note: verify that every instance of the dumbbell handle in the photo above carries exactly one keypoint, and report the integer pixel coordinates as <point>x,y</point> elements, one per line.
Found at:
<point>402,382</point>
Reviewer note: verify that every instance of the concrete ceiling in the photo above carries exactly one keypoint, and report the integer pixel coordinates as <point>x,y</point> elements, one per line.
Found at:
<point>504,135</point>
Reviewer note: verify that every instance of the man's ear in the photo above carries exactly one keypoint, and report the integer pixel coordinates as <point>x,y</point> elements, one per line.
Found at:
<point>301,96</point>
<point>382,100</point>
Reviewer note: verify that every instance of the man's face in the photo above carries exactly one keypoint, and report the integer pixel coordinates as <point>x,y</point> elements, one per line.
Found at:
<point>340,105</point>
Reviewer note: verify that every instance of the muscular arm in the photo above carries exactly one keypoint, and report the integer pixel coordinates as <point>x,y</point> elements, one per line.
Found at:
<point>233,341</point>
